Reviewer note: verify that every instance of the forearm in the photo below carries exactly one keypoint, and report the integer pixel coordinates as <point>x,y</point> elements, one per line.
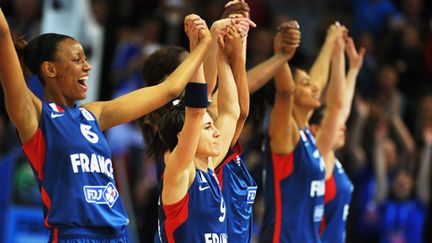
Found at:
<point>423,181</point>
<point>404,134</point>
<point>177,80</point>
<point>284,81</point>
<point>210,66</point>
<point>380,172</point>
<point>259,75</point>
<point>320,69</point>
<point>351,79</point>
<point>335,94</point>
<point>239,73</point>
<point>227,90</point>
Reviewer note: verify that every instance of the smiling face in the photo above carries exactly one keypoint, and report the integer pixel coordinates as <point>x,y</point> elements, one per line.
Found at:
<point>306,94</point>
<point>71,71</point>
<point>208,145</point>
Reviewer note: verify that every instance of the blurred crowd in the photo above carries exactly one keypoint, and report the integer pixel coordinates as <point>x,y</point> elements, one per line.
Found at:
<point>389,134</point>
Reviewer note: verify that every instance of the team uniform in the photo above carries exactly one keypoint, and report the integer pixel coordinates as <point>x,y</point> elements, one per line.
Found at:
<point>294,193</point>
<point>338,190</point>
<point>72,164</point>
<point>199,217</point>
<point>239,190</point>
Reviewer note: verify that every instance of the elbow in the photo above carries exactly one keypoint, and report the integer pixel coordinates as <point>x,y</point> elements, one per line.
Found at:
<point>243,114</point>
<point>174,91</point>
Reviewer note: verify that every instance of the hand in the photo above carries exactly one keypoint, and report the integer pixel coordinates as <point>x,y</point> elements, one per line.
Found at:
<point>231,43</point>
<point>355,58</point>
<point>236,7</point>
<point>339,46</point>
<point>243,24</point>
<point>196,29</point>
<point>287,39</point>
<point>336,30</point>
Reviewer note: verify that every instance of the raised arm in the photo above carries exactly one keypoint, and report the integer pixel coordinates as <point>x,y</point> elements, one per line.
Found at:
<point>355,63</point>
<point>333,118</point>
<point>424,173</point>
<point>179,170</point>
<point>237,7</point>
<point>320,69</point>
<point>259,75</point>
<point>142,101</point>
<point>282,126</point>
<point>23,107</point>
<point>238,67</point>
<point>228,104</point>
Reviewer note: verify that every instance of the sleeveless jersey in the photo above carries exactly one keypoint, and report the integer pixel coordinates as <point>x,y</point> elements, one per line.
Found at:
<point>199,217</point>
<point>72,164</point>
<point>338,190</point>
<point>239,190</point>
<point>294,193</point>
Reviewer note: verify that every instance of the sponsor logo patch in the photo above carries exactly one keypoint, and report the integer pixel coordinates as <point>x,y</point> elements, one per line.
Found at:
<point>101,194</point>
<point>251,194</point>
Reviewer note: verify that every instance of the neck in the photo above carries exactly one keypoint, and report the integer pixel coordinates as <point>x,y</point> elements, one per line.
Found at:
<point>201,162</point>
<point>60,100</point>
<point>301,116</point>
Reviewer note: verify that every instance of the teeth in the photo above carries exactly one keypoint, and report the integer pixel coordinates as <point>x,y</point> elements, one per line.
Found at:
<point>84,78</point>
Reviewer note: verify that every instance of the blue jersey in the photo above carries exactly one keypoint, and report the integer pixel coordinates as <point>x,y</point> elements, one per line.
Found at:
<point>199,217</point>
<point>239,190</point>
<point>294,193</point>
<point>72,164</point>
<point>402,221</point>
<point>338,190</point>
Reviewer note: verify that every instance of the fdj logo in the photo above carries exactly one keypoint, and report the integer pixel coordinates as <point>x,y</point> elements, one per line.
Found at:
<point>251,194</point>
<point>101,194</point>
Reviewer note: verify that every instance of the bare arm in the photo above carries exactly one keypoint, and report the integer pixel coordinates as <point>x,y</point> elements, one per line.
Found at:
<point>333,117</point>
<point>355,63</point>
<point>320,69</point>
<point>282,127</point>
<point>238,67</point>
<point>228,106</point>
<point>379,164</point>
<point>423,181</point>
<point>23,107</point>
<point>179,169</point>
<point>142,101</point>
<point>259,75</point>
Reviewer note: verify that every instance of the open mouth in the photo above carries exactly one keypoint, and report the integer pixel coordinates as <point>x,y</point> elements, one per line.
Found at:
<point>82,82</point>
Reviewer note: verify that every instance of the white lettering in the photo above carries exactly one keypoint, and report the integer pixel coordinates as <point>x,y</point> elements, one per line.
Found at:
<point>89,135</point>
<point>94,167</point>
<point>223,211</point>
<point>101,160</point>
<point>108,168</point>
<point>84,163</point>
<point>75,162</point>
<point>317,188</point>
<point>215,238</point>
<point>92,164</point>
<point>345,213</point>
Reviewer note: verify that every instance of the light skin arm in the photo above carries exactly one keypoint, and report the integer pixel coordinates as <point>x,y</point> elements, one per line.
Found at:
<point>23,107</point>
<point>424,172</point>
<point>282,126</point>
<point>238,66</point>
<point>320,69</point>
<point>379,164</point>
<point>333,117</point>
<point>228,104</point>
<point>179,170</point>
<point>259,75</point>
<point>355,63</point>
<point>142,101</point>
